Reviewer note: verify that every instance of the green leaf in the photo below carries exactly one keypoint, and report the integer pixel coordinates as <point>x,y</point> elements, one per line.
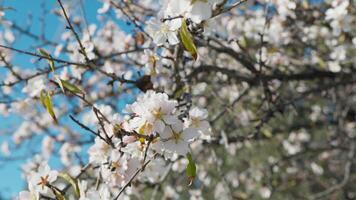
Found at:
<point>181,91</point>
<point>46,101</point>
<point>187,40</point>
<point>58,195</point>
<point>59,81</point>
<point>70,87</point>
<point>48,57</point>
<point>73,182</point>
<point>267,133</point>
<point>191,169</point>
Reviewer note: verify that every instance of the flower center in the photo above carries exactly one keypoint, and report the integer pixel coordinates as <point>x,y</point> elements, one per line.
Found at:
<point>145,128</point>
<point>153,61</point>
<point>115,165</point>
<point>44,181</point>
<point>157,113</point>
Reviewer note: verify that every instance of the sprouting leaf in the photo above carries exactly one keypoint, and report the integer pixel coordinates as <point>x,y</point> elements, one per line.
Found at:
<point>59,81</point>
<point>191,169</point>
<point>48,57</point>
<point>69,86</point>
<point>187,40</point>
<point>73,182</point>
<point>58,195</point>
<point>181,91</point>
<point>267,133</point>
<point>46,101</point>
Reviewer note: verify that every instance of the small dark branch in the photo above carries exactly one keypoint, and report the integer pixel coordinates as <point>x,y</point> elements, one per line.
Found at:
<point>133,19</point>
<point>150,139</point>
<point>345,180</point>
<point>131,179</point>
<point>227,9</point>
<point>82,171</point>
<point>42,72</point>
<point>42,57</point>
<point>171,18</point>
<point>70,26</point>
<point>87,128</point>
<point>100,118</point>
<point>10,67</point>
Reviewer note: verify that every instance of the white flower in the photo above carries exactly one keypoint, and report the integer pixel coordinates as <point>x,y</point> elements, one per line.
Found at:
<point>105,8</point>
<point>90,117</point>
<point>114,172</point>
<point>162,32</point>
<point>5,148</point>
<point>42,177</point>
<point>99,152</point>
<point>29,194</point>
<point>317,169</point>
<point>198,120</point>
<point>66,152</point>
<point>175,8</point>
<point>265,192</point>
<point>103,193</point>
<point>176,140</point>
<point>34,86</point>
<point>152,62</point>
<point>153,111</point>
<point>118,162</point>
<point>197,10</point>
<point>3,109</point>
<point>136,149</point>
<point>201,10</point>
<point>155,170</point>
<point>47,146</point>
<point>132,166</point>
<point>338,11</point>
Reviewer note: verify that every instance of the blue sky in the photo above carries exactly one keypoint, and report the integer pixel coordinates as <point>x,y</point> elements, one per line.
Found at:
<point>11,182</point>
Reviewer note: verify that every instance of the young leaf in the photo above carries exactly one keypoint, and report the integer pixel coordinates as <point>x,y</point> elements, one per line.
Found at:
<point>70,87</point>
<point>59,81</point>
<point>58,195</point>
<point>73,182</point>
<point>46,101</point>
<point>187,40</point>
<point>191,169</point>
<point>48,57</point>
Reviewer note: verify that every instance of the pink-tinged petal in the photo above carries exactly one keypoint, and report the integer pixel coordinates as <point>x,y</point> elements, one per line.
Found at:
<point>128,139</point>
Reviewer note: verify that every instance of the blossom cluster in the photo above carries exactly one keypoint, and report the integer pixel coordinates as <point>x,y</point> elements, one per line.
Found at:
<point>151,131</point>
<point>164,27</point>
<point>250,61</point>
